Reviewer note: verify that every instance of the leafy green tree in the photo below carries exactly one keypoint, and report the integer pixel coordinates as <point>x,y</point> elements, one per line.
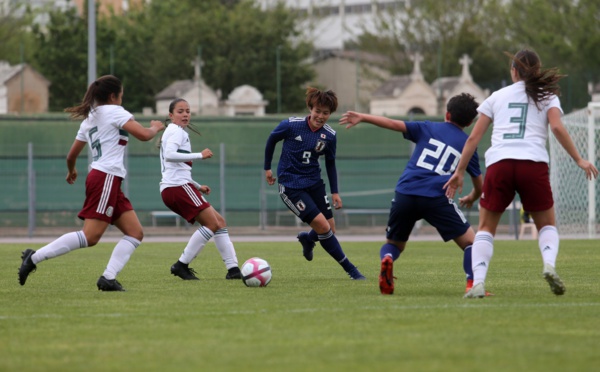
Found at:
<point>61,55</point>
<point>238,43</point>
<point>565,33</point>
<point>15,40</point>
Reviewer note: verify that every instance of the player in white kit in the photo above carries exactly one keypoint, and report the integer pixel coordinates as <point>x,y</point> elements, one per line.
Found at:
<point>517,162</point>
<point>184,196</point>
<point>105,128</point>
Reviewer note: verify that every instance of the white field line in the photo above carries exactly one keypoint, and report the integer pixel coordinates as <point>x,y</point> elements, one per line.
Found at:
<point>470,305</point>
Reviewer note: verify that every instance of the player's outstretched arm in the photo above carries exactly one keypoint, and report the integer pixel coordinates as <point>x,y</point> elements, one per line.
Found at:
<point>563,137</point>
<point>352,118</point>
<point>142,133</point>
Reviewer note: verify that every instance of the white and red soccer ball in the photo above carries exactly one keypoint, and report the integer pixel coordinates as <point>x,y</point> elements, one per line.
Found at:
<point>256,272</point>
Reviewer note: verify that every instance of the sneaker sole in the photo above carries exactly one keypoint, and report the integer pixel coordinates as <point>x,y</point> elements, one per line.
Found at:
<point>556,285</point>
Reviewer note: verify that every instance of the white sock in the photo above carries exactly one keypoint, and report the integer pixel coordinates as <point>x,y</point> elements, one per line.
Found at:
<point>120,256</point>
<point>63,245</point>
<point>481,255</point>
<point>195,244</point>
<point>548,243</point>
<point>226,249</point>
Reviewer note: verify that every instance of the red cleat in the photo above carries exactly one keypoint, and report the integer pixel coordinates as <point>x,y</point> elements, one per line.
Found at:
<point>386,277</point>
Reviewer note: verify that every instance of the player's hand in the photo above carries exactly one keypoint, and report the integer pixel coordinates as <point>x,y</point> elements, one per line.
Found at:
<point>337,201</point>
<point>589,169</point>
<point>350,119</point>
<point>72,176</point>
<point>204,189</point>
<point>207,154</point>
<point>454,184</point>
<point>466,201</point>
<point>269,176</point>
<point>158,125</point>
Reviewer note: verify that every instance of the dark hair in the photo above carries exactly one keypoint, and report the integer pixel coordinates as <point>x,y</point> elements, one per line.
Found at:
<point>172,108</point>
<point>462,109</point>
<point>540,84</point>
<point>174,103</point>
<point>316,97</point>
<point>98,93</point>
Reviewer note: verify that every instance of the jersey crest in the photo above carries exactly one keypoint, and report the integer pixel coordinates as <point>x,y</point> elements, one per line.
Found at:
<point>320,146</point>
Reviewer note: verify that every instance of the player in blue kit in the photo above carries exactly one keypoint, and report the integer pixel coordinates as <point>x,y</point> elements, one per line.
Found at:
<point>301,187</point>
<point>419,193</point>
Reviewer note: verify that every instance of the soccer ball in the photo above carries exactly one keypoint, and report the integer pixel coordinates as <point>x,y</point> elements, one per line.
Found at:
<point>256,272</point>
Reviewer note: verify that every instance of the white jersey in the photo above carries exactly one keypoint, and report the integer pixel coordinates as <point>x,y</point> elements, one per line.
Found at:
<point>103,131</point>
<point>176,158</point>
<point>520,129</point>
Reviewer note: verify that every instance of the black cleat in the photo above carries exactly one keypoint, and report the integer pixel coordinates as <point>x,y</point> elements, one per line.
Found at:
<point>307,245</point>
<point>109,285</point>
<point>27,266</point>
<point>183,271</point>
<point>234,273</point>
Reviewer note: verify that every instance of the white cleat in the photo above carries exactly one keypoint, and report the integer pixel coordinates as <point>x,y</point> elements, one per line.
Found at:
<point>478,291</point>
<point>556,285</point>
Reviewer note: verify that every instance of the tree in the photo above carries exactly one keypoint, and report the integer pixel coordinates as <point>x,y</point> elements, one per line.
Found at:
<point>15,40</point>
<point>238,43</point>
<point>563,32</point>
<point>61,56</point>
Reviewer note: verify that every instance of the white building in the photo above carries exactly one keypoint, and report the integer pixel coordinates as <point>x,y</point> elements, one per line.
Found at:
<point>330,23</point>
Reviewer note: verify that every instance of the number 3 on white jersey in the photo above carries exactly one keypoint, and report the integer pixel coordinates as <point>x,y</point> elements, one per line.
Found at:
<point>441,155</point>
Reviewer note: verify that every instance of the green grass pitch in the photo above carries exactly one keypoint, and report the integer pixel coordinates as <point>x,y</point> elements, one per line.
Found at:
<point>311,317</point>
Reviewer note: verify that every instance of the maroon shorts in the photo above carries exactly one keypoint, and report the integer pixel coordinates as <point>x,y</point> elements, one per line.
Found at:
<point>104,199</point>
<point>530,179</point>
<point>185,200</point>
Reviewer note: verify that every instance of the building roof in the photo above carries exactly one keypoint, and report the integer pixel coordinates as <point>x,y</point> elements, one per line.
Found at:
<point>8,72</point>
<point>353,55</point>
<point>393,84</point>
<point>175,90</point>
<point>446,83</point>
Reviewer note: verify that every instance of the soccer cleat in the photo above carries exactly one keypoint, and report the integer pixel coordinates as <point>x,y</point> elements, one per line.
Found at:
<point>307,245</point>
<point>183,271</point>
<point>386,276</point>
<point>556,285</point>
<point>470,285</point>
<point>356,275</point>
<point>27,266</point>
<point>478,291</point>
<point>234,273</point>
<point>109,285</point>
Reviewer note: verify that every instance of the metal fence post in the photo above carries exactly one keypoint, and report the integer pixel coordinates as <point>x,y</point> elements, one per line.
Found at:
<point>31,190</point>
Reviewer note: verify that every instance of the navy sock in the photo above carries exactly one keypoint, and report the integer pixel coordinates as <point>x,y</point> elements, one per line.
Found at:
<point>332,246</point>
<point>312,235</point>
<point>389,248</point>
<point>467,263</point>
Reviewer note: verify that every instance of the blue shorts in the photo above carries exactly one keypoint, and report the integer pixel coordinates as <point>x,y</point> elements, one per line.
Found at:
<point>307,203</point>
<point>440,212</point>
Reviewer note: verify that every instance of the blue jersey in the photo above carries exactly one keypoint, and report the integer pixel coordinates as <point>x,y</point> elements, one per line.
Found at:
<point>299,166</point>
<point>436,155</point>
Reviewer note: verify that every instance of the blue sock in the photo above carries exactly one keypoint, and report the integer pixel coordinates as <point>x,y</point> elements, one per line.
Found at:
<point>391,249</point>
<point>312,235</point>
<point>467,263</point>
<point>332,246</point>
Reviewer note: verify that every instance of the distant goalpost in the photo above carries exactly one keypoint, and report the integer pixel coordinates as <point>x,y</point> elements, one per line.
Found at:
<point>575,198</point>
